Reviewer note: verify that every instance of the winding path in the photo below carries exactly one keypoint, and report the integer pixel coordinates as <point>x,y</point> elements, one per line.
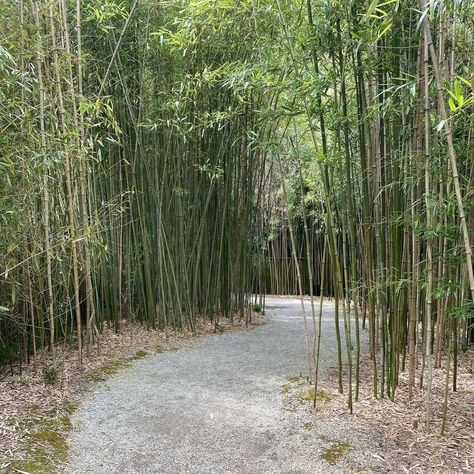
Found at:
<point>216,406</point>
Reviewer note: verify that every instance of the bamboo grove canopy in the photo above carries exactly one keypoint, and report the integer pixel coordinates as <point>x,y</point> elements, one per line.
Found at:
<point>163,161</point>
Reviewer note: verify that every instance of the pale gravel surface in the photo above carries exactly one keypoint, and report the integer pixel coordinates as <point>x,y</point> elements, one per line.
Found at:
<point>215,406</point>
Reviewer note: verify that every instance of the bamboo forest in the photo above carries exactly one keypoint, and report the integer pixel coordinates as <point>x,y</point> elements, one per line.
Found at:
<point>290,182</point>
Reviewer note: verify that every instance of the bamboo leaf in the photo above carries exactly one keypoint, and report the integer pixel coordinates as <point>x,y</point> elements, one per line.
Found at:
<point>372,6</point>
<point>382,33</point>
<point>465,81</point>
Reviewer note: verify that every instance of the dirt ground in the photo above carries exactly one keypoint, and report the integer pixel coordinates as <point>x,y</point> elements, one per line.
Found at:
<point>233,402</point>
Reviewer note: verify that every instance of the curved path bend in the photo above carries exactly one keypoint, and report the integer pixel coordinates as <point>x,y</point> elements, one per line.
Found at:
<point>215,406</point>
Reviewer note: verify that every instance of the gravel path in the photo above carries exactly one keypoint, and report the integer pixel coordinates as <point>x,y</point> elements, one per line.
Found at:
<point>215,406</point>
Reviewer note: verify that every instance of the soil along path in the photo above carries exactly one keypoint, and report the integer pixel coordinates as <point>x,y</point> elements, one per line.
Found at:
<point>216,406</point>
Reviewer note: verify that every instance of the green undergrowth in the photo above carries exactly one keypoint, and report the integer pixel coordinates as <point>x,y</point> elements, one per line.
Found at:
<point>160,349</point>
<point>298,390</point>
<point>46,445</point>
<point>308,396</point>
<point>299,395</point>
<point>331,454</point>
<point>46,431</point>
<point>139,355</point>
<point>105,371</point>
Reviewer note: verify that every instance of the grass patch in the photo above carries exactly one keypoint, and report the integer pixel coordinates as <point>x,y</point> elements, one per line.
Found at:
<point>37,465</point>
<point>308,426</point>
<point>292,378</point>
<point>102,373</point>
<point>138,355</point>
<point>332,453</point>
<point>70,407</point>
<point>51,374</point>
<point>49,435</point>
<point>308,396</point>
<point>285,388</point>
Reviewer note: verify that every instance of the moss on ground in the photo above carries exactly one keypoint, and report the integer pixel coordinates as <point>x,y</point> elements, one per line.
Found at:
<point>299,392</point>
<point>70,406</point>
<point>138,355</point>
<point>332,453</point>
<point>308,395</point>
<point>102,373</point>
<point>46,446</point>
<point>105,371</point>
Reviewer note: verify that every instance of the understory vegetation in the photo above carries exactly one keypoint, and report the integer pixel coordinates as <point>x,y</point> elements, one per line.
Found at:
<point>166,161</point>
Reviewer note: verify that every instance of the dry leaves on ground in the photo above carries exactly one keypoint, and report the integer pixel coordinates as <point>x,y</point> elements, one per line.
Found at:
<point>403,442</point>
